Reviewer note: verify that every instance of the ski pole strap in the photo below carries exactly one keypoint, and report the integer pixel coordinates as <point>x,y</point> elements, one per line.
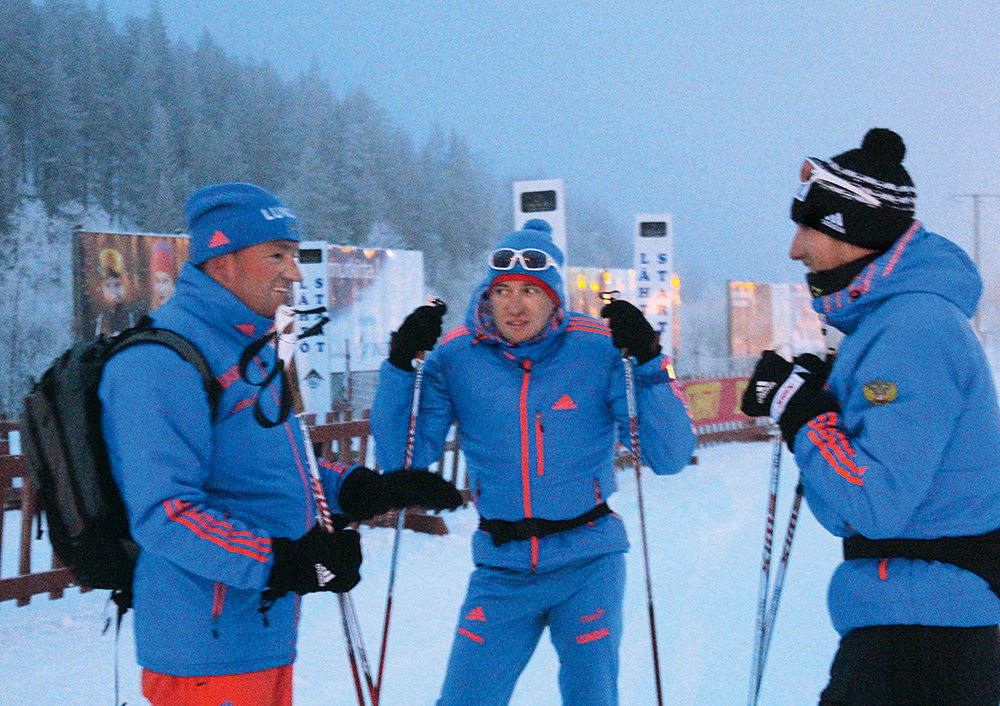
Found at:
<point>979,553</point>
<point>503,531</point>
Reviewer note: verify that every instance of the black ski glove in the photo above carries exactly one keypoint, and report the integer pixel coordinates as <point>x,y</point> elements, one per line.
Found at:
<point>418,332</point>
<point>365,493</point>
<point>818,367</point>
<point>789,393</point>
<point>318,561</point>
<point>631,332</point>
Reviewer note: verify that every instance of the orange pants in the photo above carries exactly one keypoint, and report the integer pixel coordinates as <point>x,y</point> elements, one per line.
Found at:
<point>269,687</point>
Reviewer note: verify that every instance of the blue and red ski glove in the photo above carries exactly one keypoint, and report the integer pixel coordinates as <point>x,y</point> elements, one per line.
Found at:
<point>790,393</point>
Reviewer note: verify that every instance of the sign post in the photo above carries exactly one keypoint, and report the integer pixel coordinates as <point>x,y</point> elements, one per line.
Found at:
<point>654,273</point>
<point>543,199</point>
<point>312,354</point>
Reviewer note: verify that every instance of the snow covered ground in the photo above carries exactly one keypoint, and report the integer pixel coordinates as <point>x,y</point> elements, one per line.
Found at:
<point>705,530</point>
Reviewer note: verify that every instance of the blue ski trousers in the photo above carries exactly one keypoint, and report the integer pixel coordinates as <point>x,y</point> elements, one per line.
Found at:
<point>502,620</point>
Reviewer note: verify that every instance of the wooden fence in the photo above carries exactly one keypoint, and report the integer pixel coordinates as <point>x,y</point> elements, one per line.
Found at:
<point>347,441</point>
<point>711,402</point>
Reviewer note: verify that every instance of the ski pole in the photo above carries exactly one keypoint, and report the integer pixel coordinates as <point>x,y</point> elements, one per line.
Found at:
<point>418,367</point>
<point>633,427</point>
<point>765,570</point>
<point>779,581</point>
<point>348,615</point>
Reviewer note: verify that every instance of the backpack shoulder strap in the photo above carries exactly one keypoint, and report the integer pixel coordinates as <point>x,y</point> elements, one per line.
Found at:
<point>146,333</point>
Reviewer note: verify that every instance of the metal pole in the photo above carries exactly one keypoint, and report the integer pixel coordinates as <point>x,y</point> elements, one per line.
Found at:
<point>352,629</point>
<point>633,423</point>
<point>976,200</point>
<point>418,367</point>
<point>763,587</point>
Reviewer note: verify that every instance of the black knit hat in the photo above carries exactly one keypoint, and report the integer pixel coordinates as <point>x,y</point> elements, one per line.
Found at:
<point>863,196</point>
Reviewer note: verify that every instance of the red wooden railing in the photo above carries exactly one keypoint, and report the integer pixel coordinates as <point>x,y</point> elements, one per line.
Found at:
<point>714,406</point>
<point>347,441</point>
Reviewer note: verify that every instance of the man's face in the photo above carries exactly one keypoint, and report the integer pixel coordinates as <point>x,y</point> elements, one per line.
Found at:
<point>819,252</point>
<point>112,288</point>
<point>261,276</point>
<point>520,310</point>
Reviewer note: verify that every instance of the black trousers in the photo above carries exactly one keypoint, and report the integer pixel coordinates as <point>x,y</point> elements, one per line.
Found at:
<point>916,665</point>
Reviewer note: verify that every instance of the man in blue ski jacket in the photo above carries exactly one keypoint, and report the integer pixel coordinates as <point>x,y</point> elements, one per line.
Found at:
<point>899,450</point>
<point>220,501</point>
<point>538,393</point>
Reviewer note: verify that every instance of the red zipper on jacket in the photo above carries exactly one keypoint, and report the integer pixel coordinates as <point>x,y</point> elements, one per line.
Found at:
<point>526,456</point>
<point>539,446</point>
<point>218,601</point>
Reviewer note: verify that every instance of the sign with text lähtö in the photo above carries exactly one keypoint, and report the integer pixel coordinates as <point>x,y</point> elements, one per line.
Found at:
<point>653,248</point>
<point>312,353</point>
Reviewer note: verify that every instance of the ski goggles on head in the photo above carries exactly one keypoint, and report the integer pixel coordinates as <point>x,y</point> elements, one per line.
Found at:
<point>531,259</point>
<point>813,172</point>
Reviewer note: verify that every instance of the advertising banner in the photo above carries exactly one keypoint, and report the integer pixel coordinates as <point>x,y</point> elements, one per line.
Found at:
<point>715,401</point>
<point>120,277</point>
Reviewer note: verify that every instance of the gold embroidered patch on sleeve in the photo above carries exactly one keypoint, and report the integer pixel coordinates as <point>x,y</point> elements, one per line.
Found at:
<point>879,392</point>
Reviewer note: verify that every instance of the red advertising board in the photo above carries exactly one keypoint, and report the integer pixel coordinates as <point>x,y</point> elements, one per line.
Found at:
<point>120,277</point>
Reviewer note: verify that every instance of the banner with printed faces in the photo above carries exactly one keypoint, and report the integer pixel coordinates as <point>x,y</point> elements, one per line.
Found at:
<point>120,277</point>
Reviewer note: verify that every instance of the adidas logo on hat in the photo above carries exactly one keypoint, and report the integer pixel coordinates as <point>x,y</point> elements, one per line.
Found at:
<point>835,221</point>
<point>218,238</point>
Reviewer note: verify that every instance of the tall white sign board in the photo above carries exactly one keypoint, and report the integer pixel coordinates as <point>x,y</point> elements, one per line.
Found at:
<point>654,266</point>
<point>312,354</point>
<point>542,199</point>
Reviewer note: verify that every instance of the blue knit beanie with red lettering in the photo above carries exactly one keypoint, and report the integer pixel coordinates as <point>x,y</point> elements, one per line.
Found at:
<point>224,218</point>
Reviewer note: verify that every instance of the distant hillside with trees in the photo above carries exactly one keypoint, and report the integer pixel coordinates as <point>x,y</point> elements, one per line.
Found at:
<point>114,126</point>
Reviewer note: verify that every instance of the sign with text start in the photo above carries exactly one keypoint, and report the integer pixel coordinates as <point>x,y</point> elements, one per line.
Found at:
<point>312,354</point>
<point>654,273</point>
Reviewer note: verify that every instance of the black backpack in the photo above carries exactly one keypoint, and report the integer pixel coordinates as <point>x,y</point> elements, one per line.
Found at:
<point>67,460</point>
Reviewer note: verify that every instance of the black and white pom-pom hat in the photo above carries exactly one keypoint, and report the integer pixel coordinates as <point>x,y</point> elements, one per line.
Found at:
<point>863,196</point>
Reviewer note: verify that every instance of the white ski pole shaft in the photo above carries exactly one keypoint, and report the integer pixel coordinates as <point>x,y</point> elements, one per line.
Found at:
<point>779,582</point>
<point>411,432</point>
<point>765,570</point>
<point>633,423</point>
<point>348,614</point>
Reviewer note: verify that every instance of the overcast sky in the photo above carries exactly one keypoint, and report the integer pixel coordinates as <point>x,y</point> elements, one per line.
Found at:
<point>701,109</point>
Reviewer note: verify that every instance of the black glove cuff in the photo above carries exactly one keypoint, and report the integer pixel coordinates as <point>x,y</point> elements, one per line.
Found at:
<point>281,579</point>
<point>651,353</point>
<point>402,359</point>
<point>803,407</point>
<point>362,494</point>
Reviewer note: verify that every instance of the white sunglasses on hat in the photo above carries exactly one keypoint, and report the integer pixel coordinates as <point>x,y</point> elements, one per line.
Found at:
<point>818,173</point>
<point>531,259</point>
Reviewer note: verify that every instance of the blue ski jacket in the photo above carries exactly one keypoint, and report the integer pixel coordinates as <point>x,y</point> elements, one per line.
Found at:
<point>204,499</point>
<point>915,451</point>
<point>537,423</point>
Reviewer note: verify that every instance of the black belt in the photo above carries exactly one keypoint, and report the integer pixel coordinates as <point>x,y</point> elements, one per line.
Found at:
<point>979,553</point>
<point>503,531</point>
